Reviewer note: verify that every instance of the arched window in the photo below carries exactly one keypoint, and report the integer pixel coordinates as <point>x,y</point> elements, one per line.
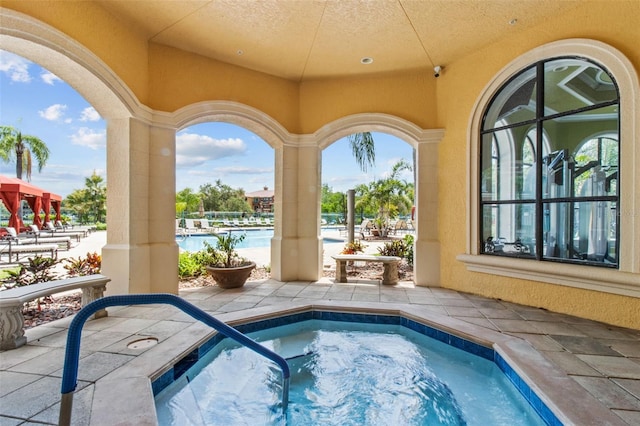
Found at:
<point>554,195</point>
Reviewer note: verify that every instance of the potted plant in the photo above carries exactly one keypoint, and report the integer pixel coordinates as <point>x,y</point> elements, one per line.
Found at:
<point>380,228</point>
<point>223,263</point>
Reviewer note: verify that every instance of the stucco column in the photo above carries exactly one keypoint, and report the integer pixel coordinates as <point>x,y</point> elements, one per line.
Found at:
<point>309,207</point>
<point>427,246</point>
<point>163,248</point>
<point>140,255</point>
<point>296,249</point>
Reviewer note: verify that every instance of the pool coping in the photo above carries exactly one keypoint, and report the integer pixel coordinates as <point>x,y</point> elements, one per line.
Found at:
<point>567,400</point>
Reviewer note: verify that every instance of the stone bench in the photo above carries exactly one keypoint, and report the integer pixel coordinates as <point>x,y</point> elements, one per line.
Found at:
<point>390,263</point>
<point>12,302</point>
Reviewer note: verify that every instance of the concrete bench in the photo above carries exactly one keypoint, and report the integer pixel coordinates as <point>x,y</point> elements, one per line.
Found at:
<point>17,249</point>
<point>390,263</point>
<point>12,302</point>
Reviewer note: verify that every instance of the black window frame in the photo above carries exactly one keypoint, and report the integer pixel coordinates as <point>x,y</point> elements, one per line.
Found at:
<point>485,247</point>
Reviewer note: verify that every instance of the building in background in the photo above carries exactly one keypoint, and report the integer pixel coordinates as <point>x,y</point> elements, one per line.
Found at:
<point>261,201</point>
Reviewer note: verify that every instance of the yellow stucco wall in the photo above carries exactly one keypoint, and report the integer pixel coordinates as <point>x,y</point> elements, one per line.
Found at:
<point>179,78</point>
<point>408,95</point>
<point>458,90</point>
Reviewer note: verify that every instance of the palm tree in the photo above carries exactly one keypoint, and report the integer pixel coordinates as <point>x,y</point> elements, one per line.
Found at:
<point>16,146</point>
<point>386,197</point>
<point>96,193</point>
<point>363,149</point>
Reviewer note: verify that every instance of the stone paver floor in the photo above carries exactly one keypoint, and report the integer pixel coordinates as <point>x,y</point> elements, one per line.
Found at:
<point>603,359</point>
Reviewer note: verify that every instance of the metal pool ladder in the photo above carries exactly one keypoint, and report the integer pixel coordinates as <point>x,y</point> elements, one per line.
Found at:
<point>72,352</point>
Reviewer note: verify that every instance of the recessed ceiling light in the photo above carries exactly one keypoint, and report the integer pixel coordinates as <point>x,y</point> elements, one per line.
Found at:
<point>240,52</point>
<point>513,21</point>
<point>366,60</point>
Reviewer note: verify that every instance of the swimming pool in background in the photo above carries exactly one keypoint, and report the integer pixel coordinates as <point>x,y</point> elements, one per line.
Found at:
<point>346,373</point>
<point>255,238</point>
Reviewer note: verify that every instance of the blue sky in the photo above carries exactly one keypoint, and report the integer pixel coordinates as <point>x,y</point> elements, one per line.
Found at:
<point>40,104</point>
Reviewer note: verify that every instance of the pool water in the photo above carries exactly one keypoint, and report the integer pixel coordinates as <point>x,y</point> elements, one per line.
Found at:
<point>254,238</point>
<point>344,374</point>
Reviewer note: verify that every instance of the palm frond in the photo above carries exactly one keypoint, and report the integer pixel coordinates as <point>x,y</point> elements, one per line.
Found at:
<point>363,148</point>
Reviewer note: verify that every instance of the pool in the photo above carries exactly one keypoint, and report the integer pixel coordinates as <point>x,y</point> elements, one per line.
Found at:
<point>255,238</point>
<point>403,371</point>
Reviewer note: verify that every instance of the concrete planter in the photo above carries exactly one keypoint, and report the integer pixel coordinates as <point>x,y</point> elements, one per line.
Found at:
<point>231,277</point>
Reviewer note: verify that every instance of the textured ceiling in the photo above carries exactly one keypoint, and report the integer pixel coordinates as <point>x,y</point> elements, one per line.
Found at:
<point>310,39</point>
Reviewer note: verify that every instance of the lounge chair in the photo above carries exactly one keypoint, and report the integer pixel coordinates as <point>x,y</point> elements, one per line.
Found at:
<point>201,224</point>
<point>208,225</point>
<point>33,235</point>
<point>49,228</point>
<point>365,226</point>
<point>190,226</point>
<point>180,231</point>
<point>72,228</point>
<point>11,248</point>
<point>400,227</point>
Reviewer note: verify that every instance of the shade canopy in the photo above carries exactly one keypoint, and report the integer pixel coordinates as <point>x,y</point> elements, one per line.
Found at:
<point>49,199</point>
<point>13,190</point>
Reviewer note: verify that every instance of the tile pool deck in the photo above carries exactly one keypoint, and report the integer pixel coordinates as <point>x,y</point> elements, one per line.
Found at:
<point>603,360</point>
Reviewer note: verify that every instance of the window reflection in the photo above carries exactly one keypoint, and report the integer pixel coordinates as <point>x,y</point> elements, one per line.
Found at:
<point>549,173</point>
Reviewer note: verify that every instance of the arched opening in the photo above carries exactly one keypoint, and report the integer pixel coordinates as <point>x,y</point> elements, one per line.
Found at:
<point>224,184</point>
<point>268,132</point>
<point>425,144</point>
<point>384,197</point>
<point>40,104</point>
<point>116,104</point>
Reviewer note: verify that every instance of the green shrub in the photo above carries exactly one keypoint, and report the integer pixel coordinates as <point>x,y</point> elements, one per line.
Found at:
<point>408,254</point>
<point>192,264</point>
<point>38,270</point>
<point>393,248</point>
<point>188,265</point>
<point>83,266</point>
<point>401,248</point>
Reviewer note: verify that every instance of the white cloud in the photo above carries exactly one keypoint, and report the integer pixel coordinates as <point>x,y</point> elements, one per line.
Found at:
<point>90,138</point>
<point>236,170</point>
<point>53,113</point>
<point>89,114</point>
<point>49,78</point>
<point>14,66</point>
<point>194,150</point>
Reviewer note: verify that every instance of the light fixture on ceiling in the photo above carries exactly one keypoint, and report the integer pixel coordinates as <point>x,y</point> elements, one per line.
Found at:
<point>366,60</point>
<point>513,21</point>
<point>240,52</point>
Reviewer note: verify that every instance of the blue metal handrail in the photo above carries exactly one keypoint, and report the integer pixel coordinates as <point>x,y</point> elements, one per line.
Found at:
<point>72,353</point>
